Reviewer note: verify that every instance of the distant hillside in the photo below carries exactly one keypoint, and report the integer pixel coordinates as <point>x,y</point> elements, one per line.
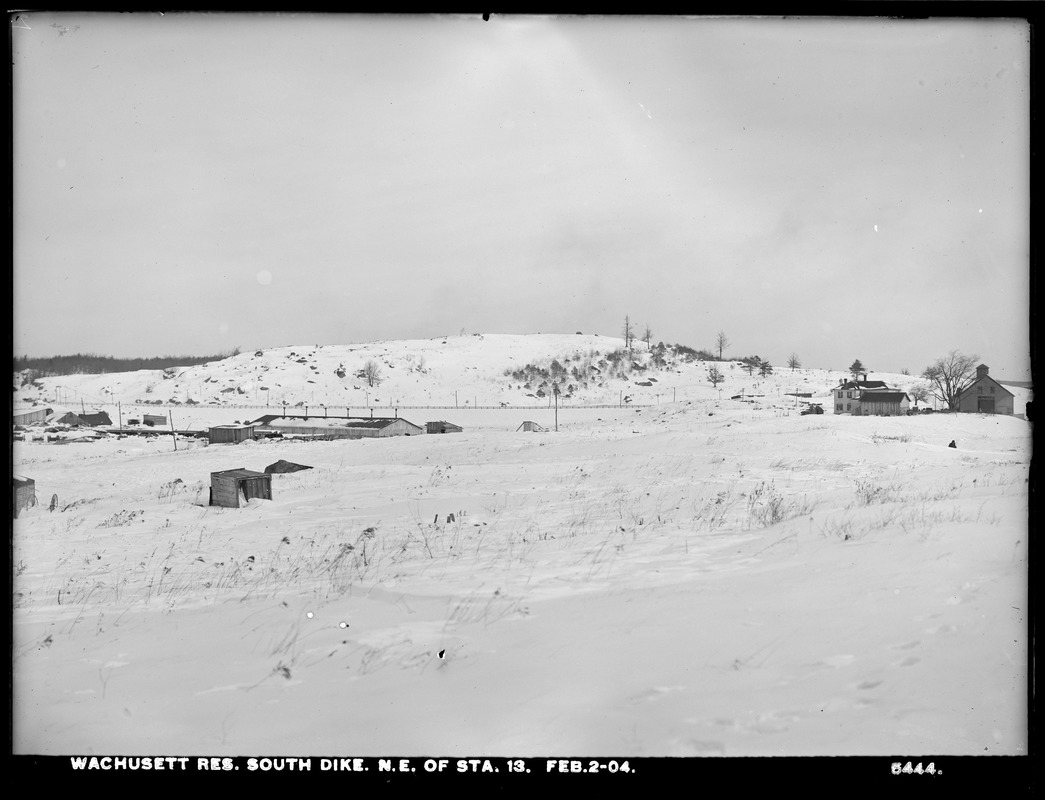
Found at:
<point>452,372</point>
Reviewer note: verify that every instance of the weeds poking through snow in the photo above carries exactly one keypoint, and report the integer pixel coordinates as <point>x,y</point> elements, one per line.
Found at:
<point>767,506</point>
<point>868,492</point>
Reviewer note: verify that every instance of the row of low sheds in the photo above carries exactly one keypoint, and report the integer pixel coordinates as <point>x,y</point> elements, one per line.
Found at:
<point>325,428</point>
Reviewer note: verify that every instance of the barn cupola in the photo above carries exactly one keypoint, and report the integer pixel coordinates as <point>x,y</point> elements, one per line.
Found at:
<point>981,371</point>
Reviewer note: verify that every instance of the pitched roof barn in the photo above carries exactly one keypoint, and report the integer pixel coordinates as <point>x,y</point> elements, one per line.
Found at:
<point>985,395</point>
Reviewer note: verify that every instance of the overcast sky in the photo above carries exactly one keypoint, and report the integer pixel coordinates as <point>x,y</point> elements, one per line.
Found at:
<point>837,188</point>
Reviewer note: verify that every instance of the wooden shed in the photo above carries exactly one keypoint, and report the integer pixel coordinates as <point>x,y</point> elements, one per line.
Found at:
<point>233,434</point>
<point>232,488</point>
<point>153,420</point>
<point>24,492</point>
<point>531,426</point>
<point>442,426</point>
<point>880,403</point>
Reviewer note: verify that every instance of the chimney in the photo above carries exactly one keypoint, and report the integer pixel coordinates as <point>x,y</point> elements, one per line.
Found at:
<point>865,377</point>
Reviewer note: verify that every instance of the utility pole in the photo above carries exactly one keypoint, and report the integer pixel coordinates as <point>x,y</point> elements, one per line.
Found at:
<point>555,391</point>
<point>119,412</point>
<point>174,433</point>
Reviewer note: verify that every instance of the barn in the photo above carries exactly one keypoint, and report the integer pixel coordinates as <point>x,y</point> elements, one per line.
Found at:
<point>881,403</point>
<point>985,395</point>
<point>442,426</point>
<point>232,488</point>
<point>24,490</point>
<point>230,434</point>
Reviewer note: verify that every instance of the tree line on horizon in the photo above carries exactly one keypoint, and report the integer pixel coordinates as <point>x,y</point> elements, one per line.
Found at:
<point>92,363</point>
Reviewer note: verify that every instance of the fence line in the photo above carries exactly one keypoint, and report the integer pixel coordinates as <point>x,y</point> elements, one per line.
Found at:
<point>296,408</point>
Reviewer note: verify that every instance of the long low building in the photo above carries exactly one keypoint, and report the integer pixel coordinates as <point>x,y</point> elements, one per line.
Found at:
<point>338,427</point>
<point>31,416</point>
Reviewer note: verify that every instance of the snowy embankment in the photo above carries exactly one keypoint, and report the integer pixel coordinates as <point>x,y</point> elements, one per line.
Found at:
<point>689,579</point>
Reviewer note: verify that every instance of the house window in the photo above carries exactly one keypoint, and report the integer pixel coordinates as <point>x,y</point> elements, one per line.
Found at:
<point>848,406</point>
<point>848,394</point>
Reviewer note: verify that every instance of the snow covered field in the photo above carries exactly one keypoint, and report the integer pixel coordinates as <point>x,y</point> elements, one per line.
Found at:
<point>708,577</point>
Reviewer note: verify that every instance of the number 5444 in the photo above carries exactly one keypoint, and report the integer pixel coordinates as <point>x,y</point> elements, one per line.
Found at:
<point>906,769</point>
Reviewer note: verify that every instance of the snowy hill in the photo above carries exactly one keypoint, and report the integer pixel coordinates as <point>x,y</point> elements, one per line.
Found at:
<point>457,371</point>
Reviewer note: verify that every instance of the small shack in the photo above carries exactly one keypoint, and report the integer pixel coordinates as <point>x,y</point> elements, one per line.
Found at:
<point>531,426</point>
<point>232,488</point>
<point>234,434</point>
<point>442,426</point>
<point>153,420</point>
<point>24,492</point>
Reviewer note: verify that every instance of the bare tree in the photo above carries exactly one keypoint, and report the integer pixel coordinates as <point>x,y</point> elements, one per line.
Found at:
<point>919,393</point>
<point>721,342</point>
<point>647,335</point>
<point>715,376</point>
<point>950,376</point>
<point>629,332</point>
<point>372,372</point>
<point>793,362</point>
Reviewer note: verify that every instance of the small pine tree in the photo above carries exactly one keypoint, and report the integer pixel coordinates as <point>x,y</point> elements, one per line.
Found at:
<point>856,369</point>
<point>715,376</point>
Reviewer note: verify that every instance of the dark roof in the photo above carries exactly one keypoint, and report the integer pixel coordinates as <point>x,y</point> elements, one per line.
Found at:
<point>240,472</point>
<point>886,397</point>
<point>376,422</point>
<point>101,418</point>
<point>283,465</point>
<point>862,385</point>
